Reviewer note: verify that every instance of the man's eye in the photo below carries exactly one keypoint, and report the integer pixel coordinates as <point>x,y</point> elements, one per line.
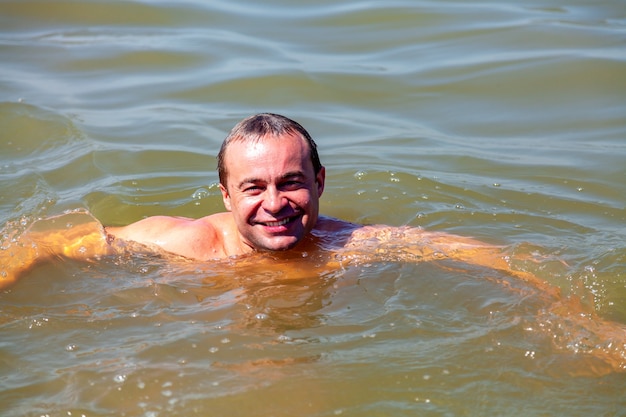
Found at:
<point>291,185</point>
<point>252,189</point>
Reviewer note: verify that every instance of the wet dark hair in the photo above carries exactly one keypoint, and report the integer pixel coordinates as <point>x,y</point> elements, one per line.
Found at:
<point>255,128</point>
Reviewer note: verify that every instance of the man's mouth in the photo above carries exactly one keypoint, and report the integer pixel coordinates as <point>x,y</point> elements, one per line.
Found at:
<point>278,223</point>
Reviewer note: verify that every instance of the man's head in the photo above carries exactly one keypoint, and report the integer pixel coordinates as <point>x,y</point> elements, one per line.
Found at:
<point>254,128</point>
<point>271,180</point>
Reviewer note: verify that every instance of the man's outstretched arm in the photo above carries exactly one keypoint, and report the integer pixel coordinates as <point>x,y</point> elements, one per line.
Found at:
<point>76,235</point>
<point>417,245</point>
<point>476,252</point>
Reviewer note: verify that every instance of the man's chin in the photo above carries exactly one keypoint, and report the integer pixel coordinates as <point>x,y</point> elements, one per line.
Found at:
<point>279,245</point>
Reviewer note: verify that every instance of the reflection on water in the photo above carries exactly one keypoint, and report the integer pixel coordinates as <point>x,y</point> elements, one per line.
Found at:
<point>501,121</point>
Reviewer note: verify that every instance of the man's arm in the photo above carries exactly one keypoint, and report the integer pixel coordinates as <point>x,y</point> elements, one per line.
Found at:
<point>76,235</point>
<point>476,252</point>
<point>416,245</point>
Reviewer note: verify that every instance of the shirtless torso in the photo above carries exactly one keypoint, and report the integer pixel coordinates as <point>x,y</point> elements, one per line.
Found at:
<point>215,236</point>
<point>271,181</point>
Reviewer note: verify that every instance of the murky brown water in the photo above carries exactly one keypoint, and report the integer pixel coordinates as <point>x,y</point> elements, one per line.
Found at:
<point>501,121</point>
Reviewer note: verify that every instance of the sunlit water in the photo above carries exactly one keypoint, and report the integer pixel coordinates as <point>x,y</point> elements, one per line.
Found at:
<point>501,121</point>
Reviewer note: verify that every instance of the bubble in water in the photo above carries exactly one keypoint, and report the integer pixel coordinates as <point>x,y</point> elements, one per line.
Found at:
<point>119,378</point>
<point>71,347</point>
<point>261,316</point>
<point>200,193</point>
<point>284,338</point>
<point>38,322</point>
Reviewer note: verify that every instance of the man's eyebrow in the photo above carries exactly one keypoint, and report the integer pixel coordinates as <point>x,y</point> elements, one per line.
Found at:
<point>292,174</point>
<point>287,175</point>
<point>250,180</point>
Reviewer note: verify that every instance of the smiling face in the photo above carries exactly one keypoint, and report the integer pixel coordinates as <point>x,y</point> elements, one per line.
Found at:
<point>272,191</point>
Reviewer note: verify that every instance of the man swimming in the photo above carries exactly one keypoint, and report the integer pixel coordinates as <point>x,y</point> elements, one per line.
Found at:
<point>271,180</point>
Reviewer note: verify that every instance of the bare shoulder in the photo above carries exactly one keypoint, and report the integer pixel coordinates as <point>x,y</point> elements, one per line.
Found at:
<point>148,228</point>
<point>333,231</point>
<point>193,238</point>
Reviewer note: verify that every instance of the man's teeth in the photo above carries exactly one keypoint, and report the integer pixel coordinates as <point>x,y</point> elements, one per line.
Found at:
<point>275,224</point>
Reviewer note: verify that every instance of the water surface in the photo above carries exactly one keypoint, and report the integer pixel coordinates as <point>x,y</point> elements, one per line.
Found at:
<point>498,120</point>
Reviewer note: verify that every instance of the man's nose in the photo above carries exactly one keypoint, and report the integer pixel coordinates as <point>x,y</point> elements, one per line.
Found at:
<point>273,201</point>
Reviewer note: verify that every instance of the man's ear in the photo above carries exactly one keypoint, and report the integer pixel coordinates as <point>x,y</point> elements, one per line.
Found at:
<point>225,197</point>
<point>320,178</point>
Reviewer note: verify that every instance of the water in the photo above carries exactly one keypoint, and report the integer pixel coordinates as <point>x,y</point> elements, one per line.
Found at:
<point>504,121</point>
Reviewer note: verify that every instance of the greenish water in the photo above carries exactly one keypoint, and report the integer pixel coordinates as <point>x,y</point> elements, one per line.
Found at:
<point>505,121</point>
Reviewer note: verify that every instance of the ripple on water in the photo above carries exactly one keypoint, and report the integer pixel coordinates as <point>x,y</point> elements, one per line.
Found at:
<point>501,121</point>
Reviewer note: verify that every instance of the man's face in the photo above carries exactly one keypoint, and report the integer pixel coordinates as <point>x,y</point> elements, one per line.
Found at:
<point>272,191</point>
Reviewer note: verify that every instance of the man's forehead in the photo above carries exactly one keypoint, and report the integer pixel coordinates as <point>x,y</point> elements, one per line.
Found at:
<point>237,146</point>
<point>255,161</point>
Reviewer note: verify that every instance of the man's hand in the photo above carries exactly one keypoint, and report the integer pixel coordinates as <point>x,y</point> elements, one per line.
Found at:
<point>76,235</point>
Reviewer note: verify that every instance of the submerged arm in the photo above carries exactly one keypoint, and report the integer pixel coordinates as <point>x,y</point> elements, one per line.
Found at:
<point>571,324</point>
<point>76,235</point>
<point>476,252</point>
<point>416,245</point>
